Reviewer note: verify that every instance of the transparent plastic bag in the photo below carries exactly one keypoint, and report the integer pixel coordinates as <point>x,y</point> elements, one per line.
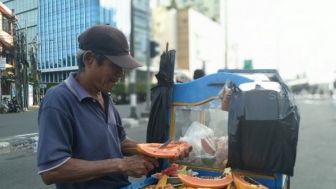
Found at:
<point>221,152</point>
<point>194,134</point>
<point>208,150</point>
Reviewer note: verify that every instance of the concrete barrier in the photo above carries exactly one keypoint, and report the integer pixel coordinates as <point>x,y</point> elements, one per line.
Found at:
<point>4,147</point>
<point>29,141</point>
<point>130,123</point>
<point>18,143</point>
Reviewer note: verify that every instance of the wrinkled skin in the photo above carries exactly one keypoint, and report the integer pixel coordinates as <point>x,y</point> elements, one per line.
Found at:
<point>184,152</point>
<point>138,165</point>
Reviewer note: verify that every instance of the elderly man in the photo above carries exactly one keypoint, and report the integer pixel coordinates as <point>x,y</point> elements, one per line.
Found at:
<point>82,143</point>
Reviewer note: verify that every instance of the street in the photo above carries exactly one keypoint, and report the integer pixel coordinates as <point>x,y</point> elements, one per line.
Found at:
<point>315,163</point>
<point>18,170</point>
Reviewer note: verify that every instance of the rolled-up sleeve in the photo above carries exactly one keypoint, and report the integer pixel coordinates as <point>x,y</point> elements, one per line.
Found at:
<point>55,139</point>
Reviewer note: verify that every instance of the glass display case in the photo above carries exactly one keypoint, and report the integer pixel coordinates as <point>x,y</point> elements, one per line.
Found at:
<point>204,126</point>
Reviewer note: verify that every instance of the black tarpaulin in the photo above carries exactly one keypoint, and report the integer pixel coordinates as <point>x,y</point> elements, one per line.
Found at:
<point>158,125</point>
<point>263,130</point>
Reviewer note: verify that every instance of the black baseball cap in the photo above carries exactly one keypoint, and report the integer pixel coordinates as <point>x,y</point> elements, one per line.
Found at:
<point>110,42</point>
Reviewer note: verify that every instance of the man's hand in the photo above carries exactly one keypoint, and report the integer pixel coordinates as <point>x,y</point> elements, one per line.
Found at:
<point>184,150</point>
<point>138,165</point>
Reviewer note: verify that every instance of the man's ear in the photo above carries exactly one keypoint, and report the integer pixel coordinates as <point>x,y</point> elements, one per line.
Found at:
<point>88,58</point>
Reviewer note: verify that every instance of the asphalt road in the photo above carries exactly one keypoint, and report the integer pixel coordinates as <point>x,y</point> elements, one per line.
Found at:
<point>315,164</point>
<point>316,156</point>
<point>26,122</point>
<point>18,170</point>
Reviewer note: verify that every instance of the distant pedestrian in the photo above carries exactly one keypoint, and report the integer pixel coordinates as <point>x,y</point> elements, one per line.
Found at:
<point>198,73</point>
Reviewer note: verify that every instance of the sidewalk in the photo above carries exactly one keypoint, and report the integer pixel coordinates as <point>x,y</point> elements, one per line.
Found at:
<point>18,131</point>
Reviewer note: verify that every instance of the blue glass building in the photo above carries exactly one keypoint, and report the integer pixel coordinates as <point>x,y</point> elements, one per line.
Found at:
<point>54,25</point>
<point>59,24</point>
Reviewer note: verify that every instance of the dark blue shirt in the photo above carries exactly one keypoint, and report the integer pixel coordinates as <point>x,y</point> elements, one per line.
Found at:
<point>72,124</point>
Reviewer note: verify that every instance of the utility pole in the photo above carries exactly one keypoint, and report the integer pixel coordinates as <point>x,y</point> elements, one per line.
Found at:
<point>19,71</point>
<point>21,63</point>
<point>226,32</point>
<point>0,88</point>
<point>35,73</point>
<point>18,67</point>
<point>133,96</point>
<point>148,61</point>
<point>25,65</point>
<point>2,67</point>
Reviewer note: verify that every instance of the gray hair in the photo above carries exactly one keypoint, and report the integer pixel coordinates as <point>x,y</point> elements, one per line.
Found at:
<point>80,58</point>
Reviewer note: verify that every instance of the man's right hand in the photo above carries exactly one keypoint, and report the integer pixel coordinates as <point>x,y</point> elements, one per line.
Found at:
<point>138,165</point>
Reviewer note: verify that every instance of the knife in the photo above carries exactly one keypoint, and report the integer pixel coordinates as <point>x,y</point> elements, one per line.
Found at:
<point>165,144</point>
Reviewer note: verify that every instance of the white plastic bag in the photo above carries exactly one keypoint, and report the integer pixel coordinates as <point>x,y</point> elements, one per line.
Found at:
<point>194,134</point>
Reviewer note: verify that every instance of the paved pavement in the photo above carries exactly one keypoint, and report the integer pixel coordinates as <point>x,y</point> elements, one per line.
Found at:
<point>26,122</point>
<point>18,170</point>
<point>19,130</point>
<point>315,164</point>
<point>18,134</point>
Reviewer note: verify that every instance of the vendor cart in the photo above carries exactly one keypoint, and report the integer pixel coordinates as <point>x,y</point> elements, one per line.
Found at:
<point>194,111</point>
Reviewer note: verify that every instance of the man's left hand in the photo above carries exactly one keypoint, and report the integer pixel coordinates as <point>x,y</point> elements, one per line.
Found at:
<point>184,149</point>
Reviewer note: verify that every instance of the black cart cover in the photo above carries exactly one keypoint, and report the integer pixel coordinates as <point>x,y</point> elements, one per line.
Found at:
<point>263,130</point>
<point>158,125</point>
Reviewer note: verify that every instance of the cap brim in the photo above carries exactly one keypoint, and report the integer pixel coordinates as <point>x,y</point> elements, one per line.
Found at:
<point>125,61</point>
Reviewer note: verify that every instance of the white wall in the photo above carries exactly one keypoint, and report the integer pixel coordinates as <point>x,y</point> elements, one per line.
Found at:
<point>164,28</point>
<point>206,43</point>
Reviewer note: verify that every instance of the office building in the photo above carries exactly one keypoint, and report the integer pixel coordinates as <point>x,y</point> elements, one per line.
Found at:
<point>59,24</point>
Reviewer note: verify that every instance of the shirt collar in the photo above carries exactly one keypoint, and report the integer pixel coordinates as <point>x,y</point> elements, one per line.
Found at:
<point>76,88</point>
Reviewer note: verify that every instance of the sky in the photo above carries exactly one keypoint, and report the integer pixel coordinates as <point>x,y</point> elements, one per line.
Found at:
<point>293,36</point>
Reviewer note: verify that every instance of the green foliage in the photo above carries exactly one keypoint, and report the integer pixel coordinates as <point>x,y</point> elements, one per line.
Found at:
<point>50,85</point>
<point>119,89</point>
<point>141,87</point>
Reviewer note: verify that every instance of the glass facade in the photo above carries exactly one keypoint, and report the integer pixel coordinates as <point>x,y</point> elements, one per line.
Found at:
<point>54,25</point>
<point>141,30</point>
<point>59,24</point>
<point>26,12</point>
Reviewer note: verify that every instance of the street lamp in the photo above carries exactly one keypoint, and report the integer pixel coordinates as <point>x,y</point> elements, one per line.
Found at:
<point>133,96</point>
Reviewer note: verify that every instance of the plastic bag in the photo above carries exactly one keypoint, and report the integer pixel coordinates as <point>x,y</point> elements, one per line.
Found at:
<point>194,134</point>
<point>221,152</point>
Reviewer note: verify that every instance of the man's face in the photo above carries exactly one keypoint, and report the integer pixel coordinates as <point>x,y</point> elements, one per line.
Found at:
<point>105,75</point>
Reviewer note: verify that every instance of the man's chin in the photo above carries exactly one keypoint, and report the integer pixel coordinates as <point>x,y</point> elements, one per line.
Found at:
<point>109,88</point>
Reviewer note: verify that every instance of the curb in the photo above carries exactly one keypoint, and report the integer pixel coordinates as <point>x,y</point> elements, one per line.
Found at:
<point>18,143</point>
<point>130,123</point>
<point>143,121</point>
<point>29,141</point>
<point>4,147</point>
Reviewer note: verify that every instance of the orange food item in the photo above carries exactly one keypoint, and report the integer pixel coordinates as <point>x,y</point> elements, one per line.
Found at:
<point>172,150</point>
<point>205,183</point>
<point>242,183</point>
